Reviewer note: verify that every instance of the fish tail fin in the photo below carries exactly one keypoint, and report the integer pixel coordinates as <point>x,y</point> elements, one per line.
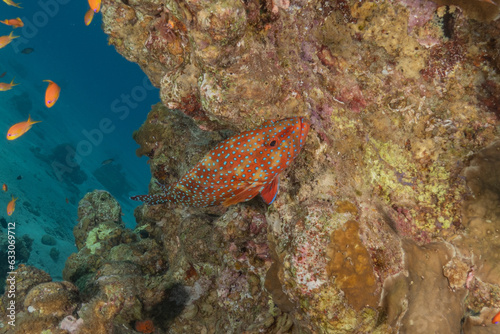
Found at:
<point>49,81</point>
<point>14,198</point>
<point>152,199</point>
<point>30,121</point>
<point>12,36</point>
<point>4,22</point>
<point>12,84</point>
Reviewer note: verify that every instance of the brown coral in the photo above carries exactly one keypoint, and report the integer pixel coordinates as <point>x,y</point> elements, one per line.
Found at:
<point>351,266</point>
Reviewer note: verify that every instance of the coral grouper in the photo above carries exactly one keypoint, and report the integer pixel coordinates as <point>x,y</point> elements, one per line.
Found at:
<point>239,168</point>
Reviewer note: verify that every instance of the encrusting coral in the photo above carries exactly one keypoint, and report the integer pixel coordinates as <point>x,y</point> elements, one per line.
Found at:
<point>398,94</point>
<point>394,196</point>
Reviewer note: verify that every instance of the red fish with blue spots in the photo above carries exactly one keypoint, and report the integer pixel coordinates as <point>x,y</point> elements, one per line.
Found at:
<point>239,168</point>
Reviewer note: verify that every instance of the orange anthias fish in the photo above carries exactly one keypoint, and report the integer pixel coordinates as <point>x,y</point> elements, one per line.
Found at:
<point>4,187</point>
<point>52,93</point>
<point>11,206</point>
<point>496,318</point>
<point>5,40</point>
<point>11,3</point>
<point>7,86</point>
<point>95,5</point>
<point>19,129</point>
<point>239,168</point>
<point>15,23</point>
<point>89,15</point>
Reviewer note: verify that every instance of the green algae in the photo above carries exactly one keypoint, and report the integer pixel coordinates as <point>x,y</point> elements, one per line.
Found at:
<point>96,236</point>
<point>431,191</point>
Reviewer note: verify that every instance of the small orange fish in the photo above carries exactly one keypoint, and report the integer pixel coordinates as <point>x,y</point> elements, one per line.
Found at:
<point>4,187</point>
<point>15,23</point>
<point>11,3</point>
<point>89,15</point>
<point>19,129</point>
<point>95,5</point>
<point>496,318</point>
<point>11,206</point>
<point>67,200</point>
<point>5,40</point>
<point>7,86</point>
<point>52,93</point>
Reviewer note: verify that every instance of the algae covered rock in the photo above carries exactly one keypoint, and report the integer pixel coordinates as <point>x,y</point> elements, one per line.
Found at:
<point>99,230</point>
<point>95,207</point>
<point>400,95</point>
<point>40,304</point>
<point>23,251</point>
<point>26,278</point>
<point>52,299</point>
<point>121,276</point>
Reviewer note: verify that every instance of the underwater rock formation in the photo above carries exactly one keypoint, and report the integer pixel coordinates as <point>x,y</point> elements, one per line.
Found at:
<point>94,209</point>
<point>400,96</point>
<point>109,268</point>
<point>41,305</point>
<point>387,221</point>
<point>23,250</point>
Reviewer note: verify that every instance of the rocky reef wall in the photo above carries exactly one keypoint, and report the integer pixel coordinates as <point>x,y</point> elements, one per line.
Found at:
<point>387,222</point>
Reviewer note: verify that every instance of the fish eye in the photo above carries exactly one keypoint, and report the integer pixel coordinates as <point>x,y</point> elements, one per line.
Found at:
<point>272,142</point>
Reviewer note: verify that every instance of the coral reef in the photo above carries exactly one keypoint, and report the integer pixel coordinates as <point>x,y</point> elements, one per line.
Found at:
<point>95,208</point>
<point>351,265</point>
<point>23,250</point>
<point>400,95</point>
<point>40,304</point>
<point>388,220</point>
<point>48,240</point>
<point>54,254</point>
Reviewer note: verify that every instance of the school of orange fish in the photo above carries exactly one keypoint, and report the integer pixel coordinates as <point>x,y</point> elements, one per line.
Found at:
<point>52,92</point>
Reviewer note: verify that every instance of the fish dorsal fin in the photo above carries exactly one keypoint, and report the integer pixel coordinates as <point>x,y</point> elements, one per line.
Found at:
<point>244,194</point>
<point>271,190</point>
<point>268,122</point>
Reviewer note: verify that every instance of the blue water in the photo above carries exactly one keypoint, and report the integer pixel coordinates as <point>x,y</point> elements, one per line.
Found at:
<point>103,99</point>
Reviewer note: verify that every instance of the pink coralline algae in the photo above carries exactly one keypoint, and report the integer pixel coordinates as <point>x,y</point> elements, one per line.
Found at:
<point>71,324</point>
<point>420,12</point>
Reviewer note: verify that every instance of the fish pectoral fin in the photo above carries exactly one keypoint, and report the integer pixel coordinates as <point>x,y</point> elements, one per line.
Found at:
<point>243,194</point>
<point>269,193</point>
